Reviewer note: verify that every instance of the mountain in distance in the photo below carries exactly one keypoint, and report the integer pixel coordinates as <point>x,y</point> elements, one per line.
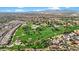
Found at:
<point>59,12</point>
<point>41,10</point>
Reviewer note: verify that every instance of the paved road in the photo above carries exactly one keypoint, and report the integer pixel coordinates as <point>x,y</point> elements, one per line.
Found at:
<point>7,37</point>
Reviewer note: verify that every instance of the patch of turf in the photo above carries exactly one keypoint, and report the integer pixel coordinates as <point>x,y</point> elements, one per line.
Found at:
<point>37,38</point>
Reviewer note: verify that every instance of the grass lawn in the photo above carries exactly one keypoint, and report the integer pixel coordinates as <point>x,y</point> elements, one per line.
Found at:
<point>39,37</point>
<point>45,33</point>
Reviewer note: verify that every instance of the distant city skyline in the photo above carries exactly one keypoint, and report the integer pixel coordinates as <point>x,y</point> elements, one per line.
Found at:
<point>33,9</point>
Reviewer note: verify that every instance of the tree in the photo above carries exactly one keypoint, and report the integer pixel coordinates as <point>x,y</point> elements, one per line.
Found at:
<point>27,29</point>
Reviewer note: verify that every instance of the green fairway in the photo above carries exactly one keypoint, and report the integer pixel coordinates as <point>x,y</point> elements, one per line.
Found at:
<point>36,36</point>
<point>46,32</point>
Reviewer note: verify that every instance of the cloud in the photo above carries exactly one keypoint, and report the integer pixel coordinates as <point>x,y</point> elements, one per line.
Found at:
<point>19,10</point>
<point>67,7</point>
<point>8,10</point>
<point>37,10</point>
<point>20,7</point>
<point>54,8</point>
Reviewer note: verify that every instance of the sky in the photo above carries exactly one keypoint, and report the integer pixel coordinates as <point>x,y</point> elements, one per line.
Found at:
<point>36,9</point>
<point>37,5</point>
